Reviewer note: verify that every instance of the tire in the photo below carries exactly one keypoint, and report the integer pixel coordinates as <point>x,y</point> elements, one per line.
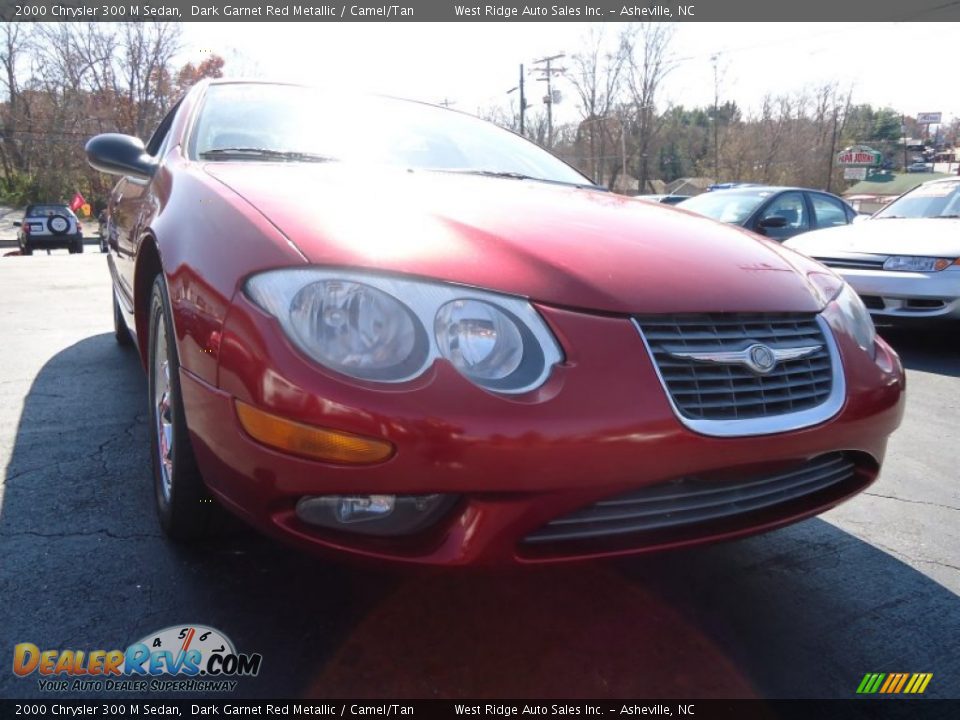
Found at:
<point>58,224</point>
<point>79,245</point>
<point>120,331</point>
<point>184,506</point>
<point>26,250</point>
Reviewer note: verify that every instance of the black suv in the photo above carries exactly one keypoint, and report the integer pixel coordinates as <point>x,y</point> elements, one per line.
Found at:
<point>49,225</point>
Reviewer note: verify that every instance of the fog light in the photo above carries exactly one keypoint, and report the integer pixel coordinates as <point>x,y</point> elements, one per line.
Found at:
<point>374,514</point>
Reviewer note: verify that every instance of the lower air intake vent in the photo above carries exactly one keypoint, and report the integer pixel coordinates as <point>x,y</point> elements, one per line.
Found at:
<point>692,501</point>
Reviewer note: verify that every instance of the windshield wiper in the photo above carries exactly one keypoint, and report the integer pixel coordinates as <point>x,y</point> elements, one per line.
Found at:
<point>510,175</point>
<point>939,217</point>
<point>244,152</point>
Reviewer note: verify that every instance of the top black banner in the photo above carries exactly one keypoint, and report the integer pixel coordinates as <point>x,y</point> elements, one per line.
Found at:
<point>467,11</point>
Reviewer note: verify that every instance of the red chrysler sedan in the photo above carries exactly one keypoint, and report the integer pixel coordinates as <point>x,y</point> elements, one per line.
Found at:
<point>396,331</point>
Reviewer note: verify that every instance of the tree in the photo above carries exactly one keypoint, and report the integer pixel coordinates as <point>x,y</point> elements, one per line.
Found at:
<point>65,82</point>
<point>649,61</point>
<point>596,77</point>
<point>15,41</point>
<point>189,74</point>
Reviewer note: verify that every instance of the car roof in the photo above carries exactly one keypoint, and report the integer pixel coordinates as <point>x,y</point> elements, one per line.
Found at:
<point>62,205</point>
<point>746,189</point>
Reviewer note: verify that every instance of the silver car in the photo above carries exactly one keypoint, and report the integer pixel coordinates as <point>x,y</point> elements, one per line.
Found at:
<point>46,226</point>
<point>904,262</point>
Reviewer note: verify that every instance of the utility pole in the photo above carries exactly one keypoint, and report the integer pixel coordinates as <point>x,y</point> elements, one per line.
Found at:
<point>716,121</point>
<point>523,100</point>
<point>547,73</point>
<point>903,127</point>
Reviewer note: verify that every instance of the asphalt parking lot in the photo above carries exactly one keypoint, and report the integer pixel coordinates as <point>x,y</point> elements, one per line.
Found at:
<point>872,586</point>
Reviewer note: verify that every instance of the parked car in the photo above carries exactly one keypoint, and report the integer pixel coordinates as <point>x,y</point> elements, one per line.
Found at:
<point>776,212</point>
<point>47,226</point>
<point>903,262</point>
<point>919,167</point>
<point>482,357</point>
<point>664,199</point>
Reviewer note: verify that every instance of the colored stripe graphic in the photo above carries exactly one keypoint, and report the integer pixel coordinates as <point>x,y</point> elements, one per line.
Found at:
<point>894,683</point>
<point>870,683</point>
<point>903,680</point>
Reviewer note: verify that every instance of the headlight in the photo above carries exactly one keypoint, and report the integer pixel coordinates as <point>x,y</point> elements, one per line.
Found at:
<point>356,329</point>
<point>481,341</point>
<point>376,328</point>
<point>857,319</point>
<point>907,263</point>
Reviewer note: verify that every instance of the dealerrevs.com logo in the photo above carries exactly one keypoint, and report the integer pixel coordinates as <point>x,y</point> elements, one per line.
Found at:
<point>180,658</point>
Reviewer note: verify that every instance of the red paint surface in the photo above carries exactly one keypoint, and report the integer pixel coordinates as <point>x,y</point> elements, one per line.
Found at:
<point>601,424</point>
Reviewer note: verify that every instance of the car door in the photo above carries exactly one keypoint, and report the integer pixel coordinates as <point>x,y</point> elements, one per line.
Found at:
<point>126,213</point>
<point>790,205</point>
<point>828,211</point>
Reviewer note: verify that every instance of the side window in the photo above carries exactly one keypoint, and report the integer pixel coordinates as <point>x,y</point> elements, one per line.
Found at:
<point>828,211</point>
<point>792,208</point>
<point>161,136</point>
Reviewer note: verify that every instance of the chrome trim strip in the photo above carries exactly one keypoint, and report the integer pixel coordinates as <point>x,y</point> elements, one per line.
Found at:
<point>744,357</point>
<point>775,423</point>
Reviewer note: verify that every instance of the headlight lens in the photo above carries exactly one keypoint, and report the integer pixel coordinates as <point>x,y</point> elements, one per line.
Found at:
<point>908,263</point>
<point>480,340</point>
<point>857,319</point>
<point>355,329</point>
<point>375,328</point>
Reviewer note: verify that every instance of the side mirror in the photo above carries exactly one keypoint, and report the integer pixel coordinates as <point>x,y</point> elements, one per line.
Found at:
<point>773,221</point>
<point>120,155</point>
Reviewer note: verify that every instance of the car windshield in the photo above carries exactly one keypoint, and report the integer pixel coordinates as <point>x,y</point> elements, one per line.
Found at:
<point>48,210</point>
<point>732,206</point>
<point>939,199</point>
<point>262,122</point>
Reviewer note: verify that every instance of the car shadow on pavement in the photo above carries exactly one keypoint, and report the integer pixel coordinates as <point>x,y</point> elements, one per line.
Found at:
<point>802,612</point>
<point>933,349</point>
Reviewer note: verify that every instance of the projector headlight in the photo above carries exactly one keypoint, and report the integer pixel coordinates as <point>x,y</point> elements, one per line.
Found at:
<point>376,328</point>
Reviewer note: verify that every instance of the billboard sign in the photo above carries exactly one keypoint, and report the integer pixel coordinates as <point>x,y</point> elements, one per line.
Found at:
<point>859,156</point>
<point>929,118</point>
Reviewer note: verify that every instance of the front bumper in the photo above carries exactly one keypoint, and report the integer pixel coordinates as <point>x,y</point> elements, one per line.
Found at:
<point>908,296</point>
<point>601,426</point>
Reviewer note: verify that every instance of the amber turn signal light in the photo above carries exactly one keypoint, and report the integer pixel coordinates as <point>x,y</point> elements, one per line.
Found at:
<point>311,442</point>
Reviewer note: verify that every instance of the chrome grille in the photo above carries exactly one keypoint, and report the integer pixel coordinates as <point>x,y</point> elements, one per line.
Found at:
<point>710,391</point>
<point>853,263</point>
<point>693,501</point>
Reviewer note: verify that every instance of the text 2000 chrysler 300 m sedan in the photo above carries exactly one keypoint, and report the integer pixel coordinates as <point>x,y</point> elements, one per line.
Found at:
<point>404,333</point>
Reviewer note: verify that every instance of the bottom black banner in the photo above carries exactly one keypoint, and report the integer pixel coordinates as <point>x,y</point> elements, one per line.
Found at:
<point>918,709</point>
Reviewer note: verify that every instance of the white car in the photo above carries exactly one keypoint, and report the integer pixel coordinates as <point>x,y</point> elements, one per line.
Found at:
<point>904,262</point>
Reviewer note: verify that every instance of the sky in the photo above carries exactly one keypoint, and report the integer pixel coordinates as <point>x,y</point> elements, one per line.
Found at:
<point>472,65</point>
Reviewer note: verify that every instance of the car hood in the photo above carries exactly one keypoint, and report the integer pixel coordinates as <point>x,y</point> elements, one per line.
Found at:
<point>555,244</point>
<point>923,236</point>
